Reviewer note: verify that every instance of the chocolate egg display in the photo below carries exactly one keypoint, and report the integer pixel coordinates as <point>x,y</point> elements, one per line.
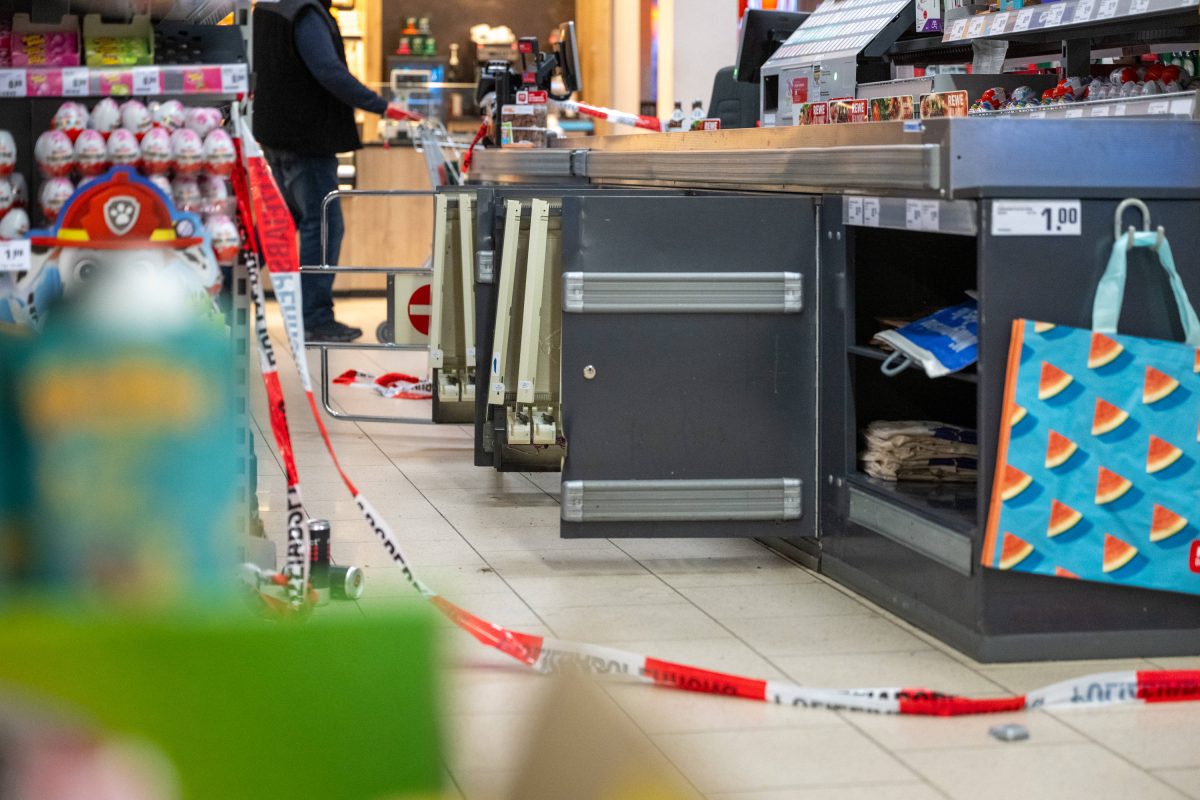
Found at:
<point>156,151</point>
<point>187,151</point>
<point>71,118</point>
<point>91,153</point>
<point>106,116</point>
<point>14,224</point>
<point>54,195</point>
<point>135,118</point>
<point>170,115</point>
<point>203,121</point>
<point>54,154</point>
<point>219,153</point>
<point>8,153</point>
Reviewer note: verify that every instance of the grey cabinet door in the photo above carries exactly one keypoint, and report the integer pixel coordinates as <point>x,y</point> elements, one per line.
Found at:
<point>689,366</point>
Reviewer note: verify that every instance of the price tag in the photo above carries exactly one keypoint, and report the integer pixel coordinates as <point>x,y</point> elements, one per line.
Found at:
<point>1073,113</point>
<point>75,82</point>
<point>14,256</point>
<point>871,212</point>
<point>234,79</point>
<point>1139,6</point>
<point>999,23</point>
<point>1108,9</point>
<point>1055,15</point>
<point>1182,106</point>
<point>1159,107</point>
<point>12,83</point>
<point>1119,110</point>
<point>921,215</point>
<point>1024,18</point>
<point>1100,111</point>
<point>436,357</point>
<point>1037,218</point>
<point>1083,10</point>
<point>958,28</point>
<point>147,80</point>
<point>976,27</point>
<point>1037,114</point>
<point>854,211</point>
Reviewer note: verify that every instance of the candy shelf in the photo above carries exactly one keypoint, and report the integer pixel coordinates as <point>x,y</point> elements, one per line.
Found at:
<point>155,81</point>
<point>1057,20</point>
<point>1176,104</point>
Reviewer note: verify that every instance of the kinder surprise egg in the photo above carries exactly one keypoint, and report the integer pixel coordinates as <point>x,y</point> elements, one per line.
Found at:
<point>20,190</point>
<point>8,153</point>
<point>14,225</point>
<point>54,153</point>
<point>71,119</point>
<point>203,120</point>
<point>123,148</point>
<point>163,184</point>
<point>218,153</point>
<point>91,153</point>
<point>186,194</point>
<point>226,240</point>
<point>187,149</point>
<point>135,118</point>
<point>106,116</point>
<point>54,195</point>
<point>7,195</point>
<point>170,115</point>
<point>216,195</point>
<point>156,151</point>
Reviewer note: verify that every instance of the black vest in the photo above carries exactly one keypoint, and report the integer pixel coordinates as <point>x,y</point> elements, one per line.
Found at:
<point>292,111</point>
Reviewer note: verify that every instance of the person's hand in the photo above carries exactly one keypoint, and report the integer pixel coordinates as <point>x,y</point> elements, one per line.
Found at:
<point>400,114</point>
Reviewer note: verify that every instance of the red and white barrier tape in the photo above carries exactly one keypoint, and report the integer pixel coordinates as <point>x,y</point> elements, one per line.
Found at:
<point>274,241</point>
<point>613,115</point>
<point>395,385</point>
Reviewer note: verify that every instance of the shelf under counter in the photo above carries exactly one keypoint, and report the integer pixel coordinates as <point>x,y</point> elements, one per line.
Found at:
<point>935,518</point>
<point>875,354</point>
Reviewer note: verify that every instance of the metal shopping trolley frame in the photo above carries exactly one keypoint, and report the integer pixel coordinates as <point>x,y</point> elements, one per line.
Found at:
<point>425,270</point>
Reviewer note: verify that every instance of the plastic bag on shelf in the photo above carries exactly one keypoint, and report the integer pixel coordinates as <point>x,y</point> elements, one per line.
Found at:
<point>943,342</point>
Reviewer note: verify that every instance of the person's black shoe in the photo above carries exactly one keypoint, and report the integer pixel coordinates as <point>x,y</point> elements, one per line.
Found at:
<point>332,332</point>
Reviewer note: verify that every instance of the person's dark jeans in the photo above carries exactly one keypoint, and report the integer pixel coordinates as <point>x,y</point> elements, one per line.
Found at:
<point>305,180</point>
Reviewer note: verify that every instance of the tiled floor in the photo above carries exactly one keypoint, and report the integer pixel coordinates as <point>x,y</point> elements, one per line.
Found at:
<point>490,543</point>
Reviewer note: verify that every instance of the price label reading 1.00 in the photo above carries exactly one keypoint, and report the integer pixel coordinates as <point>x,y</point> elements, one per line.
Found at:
<point>14,256</point>
<point>1037,218</point>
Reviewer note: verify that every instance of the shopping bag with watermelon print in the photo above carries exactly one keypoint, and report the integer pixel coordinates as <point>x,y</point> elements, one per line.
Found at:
<point>1098,465</point>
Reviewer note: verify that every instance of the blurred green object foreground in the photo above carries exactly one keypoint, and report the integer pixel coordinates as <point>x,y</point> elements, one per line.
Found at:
<point>339,707</point>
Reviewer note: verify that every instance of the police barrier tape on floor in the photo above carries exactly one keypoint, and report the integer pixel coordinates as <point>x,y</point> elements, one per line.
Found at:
<point>271,238</point>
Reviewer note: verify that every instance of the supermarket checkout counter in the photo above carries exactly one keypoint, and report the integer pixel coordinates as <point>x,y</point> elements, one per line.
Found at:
<point>720,292</point>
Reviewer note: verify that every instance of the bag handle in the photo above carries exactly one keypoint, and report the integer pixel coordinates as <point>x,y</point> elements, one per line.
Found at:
<point>1110,292</point>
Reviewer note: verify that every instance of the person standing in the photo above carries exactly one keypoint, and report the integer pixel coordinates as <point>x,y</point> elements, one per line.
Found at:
<point>304,101</point>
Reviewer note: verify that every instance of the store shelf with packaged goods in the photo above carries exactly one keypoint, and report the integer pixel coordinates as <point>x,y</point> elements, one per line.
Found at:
<point>153,81</point>
<point>1070,19</point>
<point>1176,104</point>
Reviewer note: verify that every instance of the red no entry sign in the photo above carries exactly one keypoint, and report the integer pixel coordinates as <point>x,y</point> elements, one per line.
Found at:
<point>419,309</point>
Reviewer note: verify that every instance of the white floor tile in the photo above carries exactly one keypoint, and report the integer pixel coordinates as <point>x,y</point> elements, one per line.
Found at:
<point>660,622</point>
<point>1036,772</point>
<point>728,761</point>
<point>787,601</point>
<point>548,593</point>
<point>1185,780</point>
<point>924,669</point>
<point>848,635</point>
<point>897,791</point>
